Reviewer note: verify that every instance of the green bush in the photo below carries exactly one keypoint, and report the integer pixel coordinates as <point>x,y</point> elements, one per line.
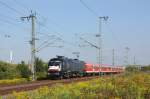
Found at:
<point>145,68</point>
<point>41,69</point>
<point>7,71</point>
<point>23,70</point>
<point>40,65</point>
<point>132,68</point>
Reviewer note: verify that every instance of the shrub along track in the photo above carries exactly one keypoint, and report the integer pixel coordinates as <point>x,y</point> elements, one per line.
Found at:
<point>4,90</point>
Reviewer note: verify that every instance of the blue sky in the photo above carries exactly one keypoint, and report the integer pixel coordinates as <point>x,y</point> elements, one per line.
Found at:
<point>128,26</point>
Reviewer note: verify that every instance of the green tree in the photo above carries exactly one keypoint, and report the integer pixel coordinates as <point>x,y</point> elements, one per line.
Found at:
<point>23,70</point>
<point>7,71</point>
<point>41,68</point>
<point>145,68</point>
<point>3,70</point>
<point>39,65</point>
<point>132,68</point>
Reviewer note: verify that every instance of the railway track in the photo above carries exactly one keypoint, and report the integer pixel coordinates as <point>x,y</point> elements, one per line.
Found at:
<point>4,90</point>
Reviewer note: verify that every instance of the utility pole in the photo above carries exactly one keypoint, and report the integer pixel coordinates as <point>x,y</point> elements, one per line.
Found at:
<point>134,61</point>
<point>126,61</point>
<point>32,42</point>
<point>113,57</point>
<point>100,56</point>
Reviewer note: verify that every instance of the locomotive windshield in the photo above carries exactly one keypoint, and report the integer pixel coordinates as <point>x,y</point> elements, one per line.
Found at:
<point>54,63</point>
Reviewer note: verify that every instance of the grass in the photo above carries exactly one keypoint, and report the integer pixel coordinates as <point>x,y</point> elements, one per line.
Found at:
<point>13,81</point>
<point>127,86</point>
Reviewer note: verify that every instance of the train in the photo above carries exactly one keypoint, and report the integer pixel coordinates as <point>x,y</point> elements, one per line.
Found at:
<point>63,67</point>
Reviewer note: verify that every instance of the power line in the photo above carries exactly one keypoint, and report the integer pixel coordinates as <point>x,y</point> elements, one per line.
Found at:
<point>8,22</point>
<point>90,9</point>
<point>45,35</point>
<point>11,8</point>
<point>46,43</point>
<point>55,33</point>
<point>8,17</point>
<point>40,24</point>
<point>25,6</point>
<point>11,23</point>
<point>42,45</point>
<point>20,13</point>
<point>44,26</point>
<point>114,35</point>
<point>95,14</point>
<point>47,28</point>
<point>22,5</point>
<point>52,22</point>
<point>119,42</point>
<point>100,56</point>
<point>91,44</point>
<point>28,9</point>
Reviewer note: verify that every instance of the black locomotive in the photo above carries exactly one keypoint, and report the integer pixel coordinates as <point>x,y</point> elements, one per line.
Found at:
<point>64,67</point>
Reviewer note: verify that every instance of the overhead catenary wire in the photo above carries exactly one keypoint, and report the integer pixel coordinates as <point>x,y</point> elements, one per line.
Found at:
<point>14,24</point>
<point>39,23</point>
<point>8,22</point>
<point>9,17</point>
<point>14,10</point>
<point>11,23</point>
<point>114,35</point>
<point>11,8</point>
<point>20,13</point>
<point>44,26</point>
<point>47,28</point>
<point>58,36</point>
<point>42,47</point>
<point>96,15</point>
<point>37,13</point>
<point>22,5</point>
<point>118,41</point>
<point>47,42</point>
<point>91,44</point>
<point>45,35</point>
<point>27,8</point>
<point>89,8</point>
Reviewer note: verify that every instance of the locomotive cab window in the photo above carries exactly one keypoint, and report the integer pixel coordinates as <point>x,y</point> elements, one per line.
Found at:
<point>54,63</point>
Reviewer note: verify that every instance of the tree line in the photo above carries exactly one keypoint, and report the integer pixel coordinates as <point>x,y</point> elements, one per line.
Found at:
<point>134,68</point>
<point>22,70</point>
